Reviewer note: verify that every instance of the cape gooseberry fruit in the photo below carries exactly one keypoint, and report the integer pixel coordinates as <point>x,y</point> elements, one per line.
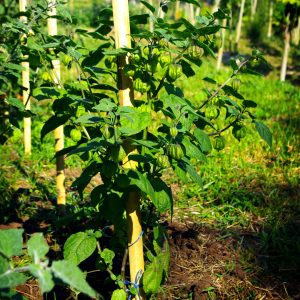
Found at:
<point>109,168</point>
<point>211,112</point>
<point>239,131</point>
<point>86,156</point>
<point>156,53</point>
<point>34,60</point>
<point>129,70</point>
<point>117,153</point>
<point>46,77</point>
<point>173,132</point>
<point>164,60</point>
<point>163,161</point>
<point>75,135</point>
<point>175,71</point>
<point>67,130</point>
<point>162,42</point>
<point>177,151</point>
<point>146,50</point>
<point>30,32</point>
<point>66,60</point>
<point>123,181</point>
<point>138,74</point>
<point>219,143</point>
<point>80,111</point>
<point>236,84</point>
<point>195,52</point>
<point>217,101</point>
<point>144,108</point>
<point>135,58</point>
<point>153,66</point>
<point>109,64</point>
<point>108,132</point>
<point>15,135</point>
<point>141,86</point>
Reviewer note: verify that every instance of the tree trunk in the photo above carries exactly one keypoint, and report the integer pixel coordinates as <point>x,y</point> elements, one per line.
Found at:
<point>239,26</point>
<point>126,98</point>
<point>25,84</point>
<point>285,55</point>
<point>270,19</point>
<point>221,49</point>
<point>58,132</point>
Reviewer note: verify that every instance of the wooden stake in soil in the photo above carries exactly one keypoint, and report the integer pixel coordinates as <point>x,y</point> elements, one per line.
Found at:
<point>25,84</point>
<point>58,132</point>
<point>126,97</point>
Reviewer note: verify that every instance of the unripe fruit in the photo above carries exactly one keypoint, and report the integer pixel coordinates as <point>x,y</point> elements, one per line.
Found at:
<point>67,130</point>
<point>173,132</point>
<point>66,59</point>
<point>239,131</point>
<point>34,60</point>
<point>111,58</point>
<point>117,153</point>
<point>146,50</point>
<point>109,168</point>
<point>236,84</point>
<point>123,181</point>
<point>163,161</point>
<point>156,53</point>
<point>46,77</point>
<point>201,39</point>
<point>177,151</point>
<point>162,42</point>
<point>30,32</point>
<point>164,60</point>
<point>108,132</point>
<point>217,101</point>
<point>138,74</point>
<point>144,108</point>
<point>86,156</point>
<point>80,111</point>
<point>75,135</point>
<point>109,64</point>
<point>212,112</point>
<point>15,135</point>
<point>153,66</point>
<point>135,58</point>
<point>129,70</point>
<point>175,71</point>
<point>140,86</point>
<point>219,143</point>
<point>195,52</point>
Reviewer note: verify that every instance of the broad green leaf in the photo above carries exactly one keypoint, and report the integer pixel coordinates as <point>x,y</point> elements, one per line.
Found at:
<point>204,141</point>
<point>233,64</point>
<point>14,66</point>
<point>9,294</point>
<point>65,220</point>
<point>150,7</point>
<point>210,80</point>
<point>173,89</point>
<point>89,119</point>
<point>195,176</point>
<point>192,150</point>
<point>249,103</point>
<point>163,195</point>
<point>191,1</point>
<point>63,12</point>
<point>119,294</point>
<point>105,87</point>
<point>52,124</point>
<point>107,255</point>
<point>152,276</point>
<point>186,68</point>
<point>11,279</point>
<point>11,242</point>
<point>229,90</point>
<point>264,60</point>
<point>45,279</point>
<point>208,30</point>
<point>32,45</point>
<point>16,102</point>
<point>4,265</point>
<point>165,256</point>
<point>140,121</point>
<point>37,248</point>
<point>65,151</point>
<point>264,132</point>
<point>230,102</point>
<point>97,194</point>
<point>181,173</point>
<point>251,72</point>
<point>142,183</point>
<point>204,46</point>
<point>188,25</point>
<point>73,276</point>
<point>146,143</point>
<point>139,158</point>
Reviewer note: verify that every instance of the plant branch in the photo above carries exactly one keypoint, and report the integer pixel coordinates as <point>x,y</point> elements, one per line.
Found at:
<point>216,133</point>
<point>124,266</point>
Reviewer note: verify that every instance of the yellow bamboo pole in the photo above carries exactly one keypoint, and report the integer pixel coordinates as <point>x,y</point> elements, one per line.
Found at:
<point>25,84</point>
<point>58,132</point>
<point>221,49</point>
<point>126,97</point>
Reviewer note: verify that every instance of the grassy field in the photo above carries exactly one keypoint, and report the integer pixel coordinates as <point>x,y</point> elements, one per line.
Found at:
<point>249,187</point>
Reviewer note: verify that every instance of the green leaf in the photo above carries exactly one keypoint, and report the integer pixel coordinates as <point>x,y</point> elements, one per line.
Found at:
<point>210,80</point>
<point>32,45</point>
<point>105,87</point>
<point>204,141</point>
<point>195,176</point>
<point>16,102</point>
<point>264,132</point>
<point>14,66</point>
<point>181,173</point>
<point>107,255</point>
<point>140,121</point>
<point>204,46</point>
<point>89,119</point>
<point>119,294</point>
<point>45,279</point>
<point>142,183</point>
<point>249,103</point>
<point>37,248</point>
<point>65,151</point>
<point>11,279</point>
<point>233,64</point>
<point>229,90</point>
<point>150,7</point>
<point>264,60</point>
<point>152,276</point>
<point>139,158</point>
<point>208,30</point>
<point>53,123</point>
<point>79,247</point>
<point>97,194</point>
<point>191,1</point>
<point>63,12</point>
<point>65,220</point>
<point>187,69</point>
<point>251,72</point>
<point>163,195</point>
<point>11,242</point>
<point>4,265</point>
<point>188,25</point>
<point>73,276</point>
<point>173,89</point>
<point>9,294</point>
<point>146,143</point>
<point>193,151</point>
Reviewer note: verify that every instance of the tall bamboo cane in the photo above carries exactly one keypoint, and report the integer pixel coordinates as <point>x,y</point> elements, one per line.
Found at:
<point>25,84</point>
<point>221,49</point>
<point>239,26</point>
<point>270,19</point>
<point>126,97</point>
<point>58,133</point>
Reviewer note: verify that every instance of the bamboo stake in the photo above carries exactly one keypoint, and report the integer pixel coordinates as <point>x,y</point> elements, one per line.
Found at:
<point>177,10</point>
<point>25,84</point>
<point>285,54</point>
<point>151,23</point>
<point>221,49</point>
<point>126,97</point>
<point>239,27</point>
<point>58,132</point>
<point>270,19</point>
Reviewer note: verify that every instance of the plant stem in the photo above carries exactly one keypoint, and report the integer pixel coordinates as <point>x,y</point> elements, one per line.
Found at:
<point>216,133</point>
<point>124,266</point>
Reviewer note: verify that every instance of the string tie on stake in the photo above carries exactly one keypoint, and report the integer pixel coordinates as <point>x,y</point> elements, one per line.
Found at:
<point>141,234</point>
<point>135,284</point>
